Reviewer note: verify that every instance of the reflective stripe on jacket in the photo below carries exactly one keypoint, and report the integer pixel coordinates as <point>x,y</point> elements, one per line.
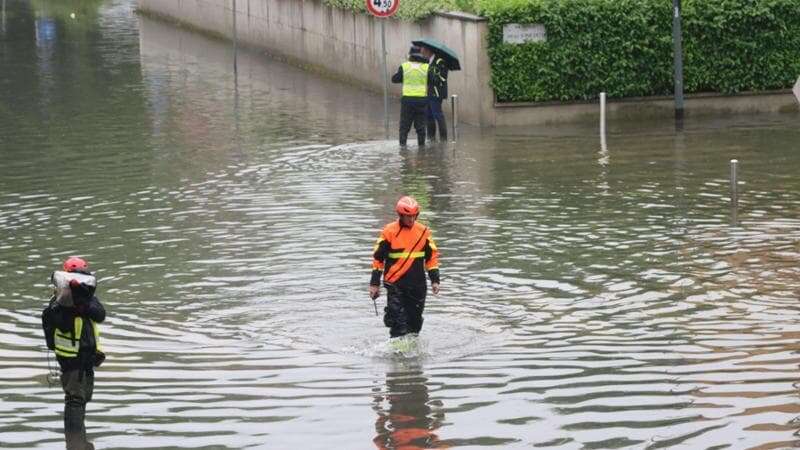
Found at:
<point>405,253</point>
<point>415,79</point>
<point>438,78</point>
<point>68,343</point>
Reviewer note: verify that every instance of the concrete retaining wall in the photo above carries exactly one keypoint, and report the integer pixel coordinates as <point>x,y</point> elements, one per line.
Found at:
<point>348,45</point>
<point>514,114</point>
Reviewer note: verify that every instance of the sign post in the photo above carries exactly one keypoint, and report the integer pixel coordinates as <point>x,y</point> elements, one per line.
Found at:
<point>383,9</point>
<point>796,89</point>
<point>235,44</point>
<point>677,45</point>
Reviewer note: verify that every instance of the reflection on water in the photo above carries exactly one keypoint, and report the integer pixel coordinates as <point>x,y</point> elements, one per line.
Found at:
<point>406,415</point>
<point>593,297</point>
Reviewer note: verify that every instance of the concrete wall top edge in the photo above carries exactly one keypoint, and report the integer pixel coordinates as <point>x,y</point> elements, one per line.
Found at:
<point>460,15</point>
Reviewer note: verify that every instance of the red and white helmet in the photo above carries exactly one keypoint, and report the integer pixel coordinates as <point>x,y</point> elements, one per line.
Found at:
<point>76,264</point>
<point>407,206</point>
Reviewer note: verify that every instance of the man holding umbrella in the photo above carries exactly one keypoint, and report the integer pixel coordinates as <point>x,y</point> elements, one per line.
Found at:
<point>441,60</point>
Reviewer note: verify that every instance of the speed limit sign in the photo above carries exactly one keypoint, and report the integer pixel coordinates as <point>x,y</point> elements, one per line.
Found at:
<point>382,8</point>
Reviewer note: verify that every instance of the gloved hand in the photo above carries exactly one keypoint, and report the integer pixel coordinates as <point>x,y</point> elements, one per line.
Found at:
<point>374,291</point>
<point>99,357</point>
<point>80,294</point>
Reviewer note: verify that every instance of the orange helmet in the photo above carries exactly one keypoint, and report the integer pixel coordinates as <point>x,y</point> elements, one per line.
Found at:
<point>407,206</point>
<point>75,264</point>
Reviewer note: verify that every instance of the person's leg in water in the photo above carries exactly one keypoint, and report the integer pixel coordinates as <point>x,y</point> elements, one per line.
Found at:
<point>430,121</point>
<point>419,121</point>
<point>406,119</point>
<point>414,305</point>
<point>395,316</point>
<point>438,117</point>
<point>78,386</point>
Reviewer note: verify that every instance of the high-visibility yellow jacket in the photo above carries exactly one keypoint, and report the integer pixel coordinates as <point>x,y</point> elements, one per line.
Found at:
<point>73,333</point>
<point>415,79</point>
<point>414,76</point>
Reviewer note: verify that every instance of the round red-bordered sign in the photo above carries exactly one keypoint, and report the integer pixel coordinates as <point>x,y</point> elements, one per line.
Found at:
<point>382,8</point>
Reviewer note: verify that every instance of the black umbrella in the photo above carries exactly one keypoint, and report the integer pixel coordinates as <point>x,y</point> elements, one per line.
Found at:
<point>448,55</point>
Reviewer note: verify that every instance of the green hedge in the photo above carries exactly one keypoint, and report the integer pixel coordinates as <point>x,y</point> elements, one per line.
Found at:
<point>624,47</point>
<point>733,46</point>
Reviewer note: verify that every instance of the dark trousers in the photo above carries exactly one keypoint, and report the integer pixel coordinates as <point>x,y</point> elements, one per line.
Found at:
<point>434,117</point>
<point>78,386</point>
<point>403,312</point>
<point>412,111</point>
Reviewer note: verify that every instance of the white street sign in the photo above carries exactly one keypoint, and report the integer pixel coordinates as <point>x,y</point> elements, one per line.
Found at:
<point>515,33</point>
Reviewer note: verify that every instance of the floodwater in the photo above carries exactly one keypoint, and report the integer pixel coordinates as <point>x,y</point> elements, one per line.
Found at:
<point>591,299</point>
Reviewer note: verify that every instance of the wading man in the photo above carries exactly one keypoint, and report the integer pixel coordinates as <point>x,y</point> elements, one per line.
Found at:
<point>403,253</point>
<point>414,76</point>
<point>71,331</point>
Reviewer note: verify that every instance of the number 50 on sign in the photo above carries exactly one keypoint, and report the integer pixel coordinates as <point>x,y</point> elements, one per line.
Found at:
<point>382,8</point>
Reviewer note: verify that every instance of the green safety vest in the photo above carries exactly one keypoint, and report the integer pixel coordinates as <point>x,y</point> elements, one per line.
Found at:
<point>415,79</point>
<point>68,344</point>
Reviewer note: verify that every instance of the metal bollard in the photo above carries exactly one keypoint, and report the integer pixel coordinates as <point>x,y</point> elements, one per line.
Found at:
<point>235,40</point>
<point>454,108</point>
<point>603,121</point>
<point>734,183</point>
